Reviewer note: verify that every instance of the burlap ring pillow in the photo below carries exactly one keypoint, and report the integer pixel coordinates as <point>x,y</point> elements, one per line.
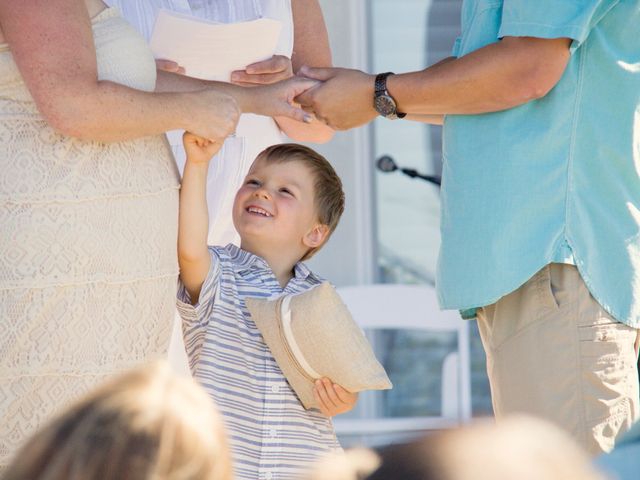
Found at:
<point>312,335</point>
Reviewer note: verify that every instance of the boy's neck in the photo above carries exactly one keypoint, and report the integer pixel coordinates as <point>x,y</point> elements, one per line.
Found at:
<point>281,264</point>
<point>282,273</point>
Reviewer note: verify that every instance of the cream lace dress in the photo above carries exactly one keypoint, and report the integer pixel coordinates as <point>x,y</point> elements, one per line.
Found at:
<point>88,235</point>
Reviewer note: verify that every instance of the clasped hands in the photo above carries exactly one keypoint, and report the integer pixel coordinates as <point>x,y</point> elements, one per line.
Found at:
<point>339,97</point>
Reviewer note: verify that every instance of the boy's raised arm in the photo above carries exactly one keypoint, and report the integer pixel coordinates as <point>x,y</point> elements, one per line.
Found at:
<point>193,224</point>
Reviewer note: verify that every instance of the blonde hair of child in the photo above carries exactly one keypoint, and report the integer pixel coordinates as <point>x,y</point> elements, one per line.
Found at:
<point>328,193</point>
<point>147,424</point>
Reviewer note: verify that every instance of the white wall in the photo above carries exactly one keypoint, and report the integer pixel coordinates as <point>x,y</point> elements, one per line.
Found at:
<point>348,258</point>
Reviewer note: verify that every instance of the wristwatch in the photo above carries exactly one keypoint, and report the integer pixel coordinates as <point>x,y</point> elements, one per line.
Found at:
<point>383,102</point>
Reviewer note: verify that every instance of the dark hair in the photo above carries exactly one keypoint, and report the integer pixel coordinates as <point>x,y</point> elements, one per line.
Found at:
<point>328,193</point>
<point>518,446</point>
<point>409,461</point>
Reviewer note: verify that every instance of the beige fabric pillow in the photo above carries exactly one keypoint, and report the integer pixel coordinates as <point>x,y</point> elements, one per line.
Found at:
<point>313,335</point>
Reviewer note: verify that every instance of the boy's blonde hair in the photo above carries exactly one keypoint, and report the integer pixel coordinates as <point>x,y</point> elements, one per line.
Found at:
<point>328,193</point>
<point>145,425</point>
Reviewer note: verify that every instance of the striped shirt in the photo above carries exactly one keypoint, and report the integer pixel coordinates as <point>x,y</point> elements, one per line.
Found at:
<point>272,436</point>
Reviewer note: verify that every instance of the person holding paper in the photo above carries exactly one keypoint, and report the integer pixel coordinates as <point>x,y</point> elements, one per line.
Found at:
<point>303,40</point>
<point>89,201</point>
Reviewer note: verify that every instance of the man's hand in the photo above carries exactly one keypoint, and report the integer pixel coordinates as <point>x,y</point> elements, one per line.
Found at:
<point>344,100</point>
<point>198,149</point>
<point>332,398</point>
<point>269,71</point>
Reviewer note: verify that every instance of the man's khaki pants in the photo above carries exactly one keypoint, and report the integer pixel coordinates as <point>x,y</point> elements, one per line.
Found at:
<point>552,351</point>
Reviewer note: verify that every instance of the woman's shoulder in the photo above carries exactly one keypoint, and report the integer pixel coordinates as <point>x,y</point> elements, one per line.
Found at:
<point>94,7</point>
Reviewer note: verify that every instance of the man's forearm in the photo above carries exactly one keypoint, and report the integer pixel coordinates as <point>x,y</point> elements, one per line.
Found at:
<point>430,119</point>
<point>496,77</point>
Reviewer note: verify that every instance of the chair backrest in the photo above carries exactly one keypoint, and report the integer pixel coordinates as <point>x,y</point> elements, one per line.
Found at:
<point>399,306</point>
<point>414,307</point>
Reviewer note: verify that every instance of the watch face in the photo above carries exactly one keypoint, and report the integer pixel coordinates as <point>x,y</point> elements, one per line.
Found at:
<point>385,105</point>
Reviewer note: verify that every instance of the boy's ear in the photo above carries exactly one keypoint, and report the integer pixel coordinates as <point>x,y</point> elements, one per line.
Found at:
<point>316,236</point>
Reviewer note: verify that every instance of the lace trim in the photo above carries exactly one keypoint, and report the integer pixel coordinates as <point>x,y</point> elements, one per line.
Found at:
<point>171,274</point>
<point>120,196</point>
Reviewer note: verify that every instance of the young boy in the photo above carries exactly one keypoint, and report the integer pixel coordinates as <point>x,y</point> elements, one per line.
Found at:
<point>287,208</point>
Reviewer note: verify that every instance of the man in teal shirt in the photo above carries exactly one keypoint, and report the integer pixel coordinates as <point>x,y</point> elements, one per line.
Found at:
<point>540,197</point>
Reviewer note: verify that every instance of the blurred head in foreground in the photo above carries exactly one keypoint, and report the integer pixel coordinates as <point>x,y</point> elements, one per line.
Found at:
<point>518,448</point>
<point>147,424</point>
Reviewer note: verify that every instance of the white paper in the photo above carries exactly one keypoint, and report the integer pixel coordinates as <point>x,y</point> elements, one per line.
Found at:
<point>209,50</point>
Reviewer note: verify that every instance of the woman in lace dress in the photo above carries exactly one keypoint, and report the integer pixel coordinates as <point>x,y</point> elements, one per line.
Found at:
<point>88,200</point>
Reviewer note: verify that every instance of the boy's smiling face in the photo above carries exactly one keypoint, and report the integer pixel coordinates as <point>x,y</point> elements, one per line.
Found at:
<point>274,210</point>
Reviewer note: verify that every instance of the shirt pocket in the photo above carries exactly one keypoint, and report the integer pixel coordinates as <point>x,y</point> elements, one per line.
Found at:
<point>480,25</point>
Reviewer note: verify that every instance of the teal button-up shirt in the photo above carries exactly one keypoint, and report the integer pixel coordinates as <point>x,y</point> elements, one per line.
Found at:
<point>524,186</point>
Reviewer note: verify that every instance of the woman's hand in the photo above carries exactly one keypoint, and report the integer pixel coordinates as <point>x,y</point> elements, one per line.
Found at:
<point>211,114</point>
<point>276,70</point>
<point>199,149</point>
<point>266,72</point>
<point>275,100</point>
<point>332,398</point>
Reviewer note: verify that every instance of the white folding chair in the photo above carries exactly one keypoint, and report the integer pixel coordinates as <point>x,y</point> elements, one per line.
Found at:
<point>412,307</point>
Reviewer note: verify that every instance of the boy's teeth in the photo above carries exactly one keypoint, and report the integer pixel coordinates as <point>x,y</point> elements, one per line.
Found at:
<point>259,211</point>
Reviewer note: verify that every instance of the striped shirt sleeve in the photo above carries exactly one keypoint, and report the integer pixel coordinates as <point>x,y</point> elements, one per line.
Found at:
<point>195,318</point>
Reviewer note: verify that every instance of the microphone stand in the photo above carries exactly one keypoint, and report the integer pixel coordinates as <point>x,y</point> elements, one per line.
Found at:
<point>387,164</point>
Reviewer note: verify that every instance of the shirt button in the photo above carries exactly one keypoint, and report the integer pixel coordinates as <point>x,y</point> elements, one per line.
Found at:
<point>273,433</point>
<point>268,475</point>
<point>275,388</point>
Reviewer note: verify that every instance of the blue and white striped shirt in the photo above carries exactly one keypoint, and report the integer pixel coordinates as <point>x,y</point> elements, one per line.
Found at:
<point>272,436</point>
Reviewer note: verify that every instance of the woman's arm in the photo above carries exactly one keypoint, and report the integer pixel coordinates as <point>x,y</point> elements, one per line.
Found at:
<point>51,42</point>
<point>272,99</point>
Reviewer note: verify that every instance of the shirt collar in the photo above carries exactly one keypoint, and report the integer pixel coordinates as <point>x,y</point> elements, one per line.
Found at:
<point>302,272</point>
<point>244,261</point>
